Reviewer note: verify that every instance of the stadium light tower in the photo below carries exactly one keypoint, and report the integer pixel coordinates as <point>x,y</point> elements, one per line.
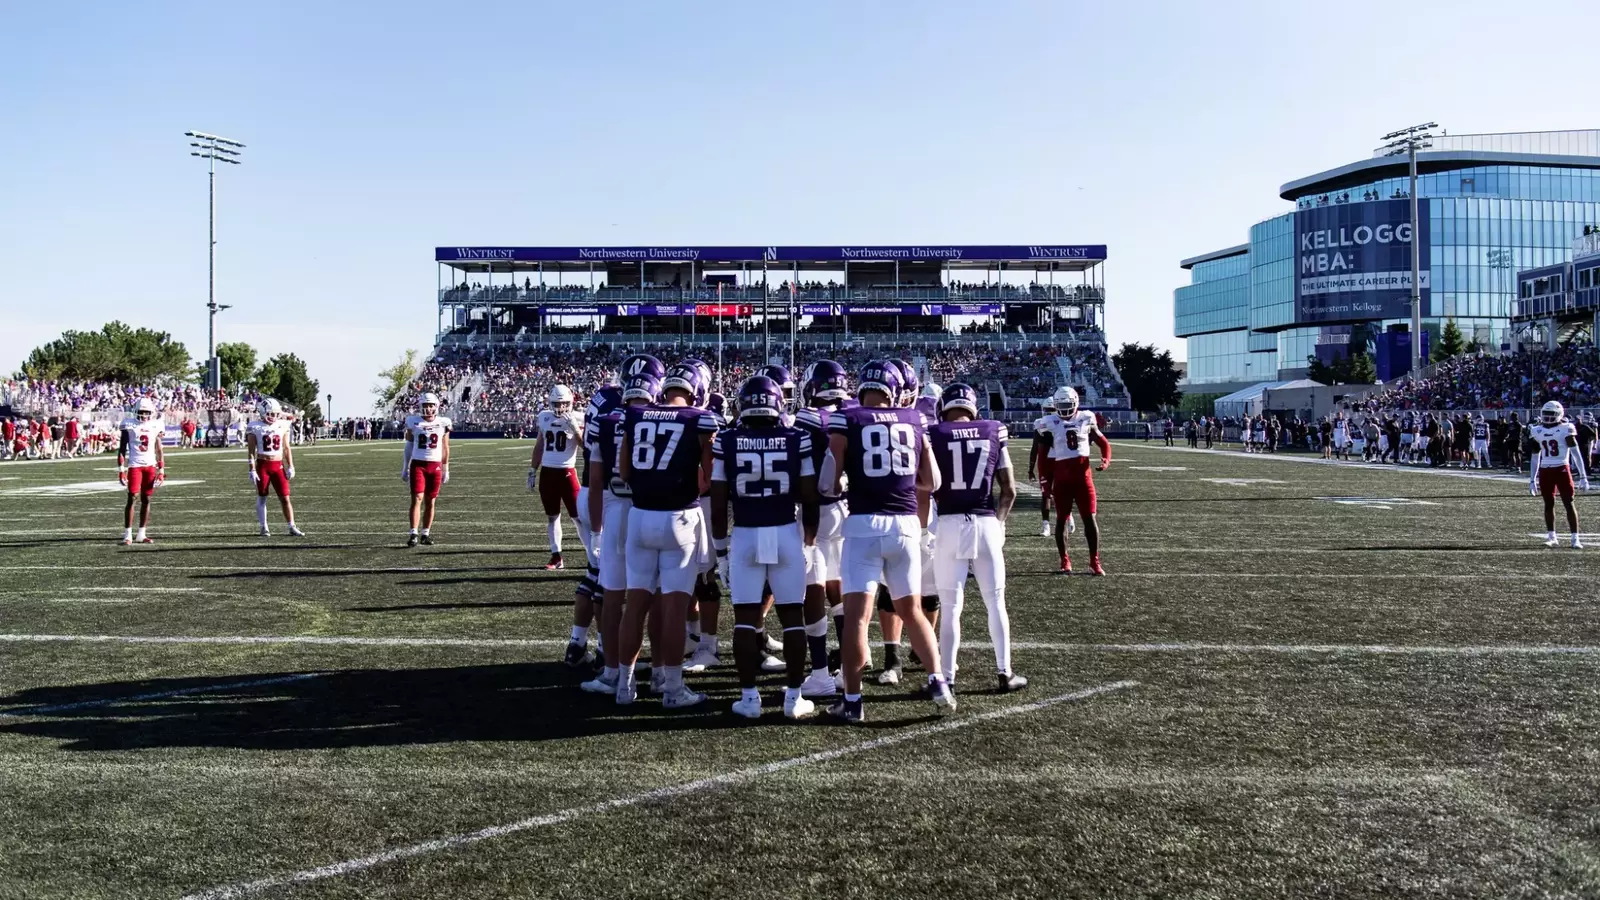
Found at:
<point>213,149</point>
<point>1409,141</point>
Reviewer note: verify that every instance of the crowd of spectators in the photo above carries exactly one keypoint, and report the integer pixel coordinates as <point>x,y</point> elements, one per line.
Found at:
<point>506,387</point>
<point>1570,374</point>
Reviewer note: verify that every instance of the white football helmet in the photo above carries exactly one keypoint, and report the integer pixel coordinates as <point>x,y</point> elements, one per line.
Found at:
<point>1066,401</point>
<point>269,410</point>
<point>1049,405</point>
<point>145,409</point>
<point>931,390</point>
<point>561,399</point>
<point>1553,413</point>
<point>427,400</point>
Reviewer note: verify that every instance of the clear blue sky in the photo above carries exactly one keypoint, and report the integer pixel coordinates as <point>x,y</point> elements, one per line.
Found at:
<point>377,131</point>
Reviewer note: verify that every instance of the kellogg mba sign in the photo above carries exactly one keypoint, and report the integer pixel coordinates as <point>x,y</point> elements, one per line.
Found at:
<point>1353,261</point>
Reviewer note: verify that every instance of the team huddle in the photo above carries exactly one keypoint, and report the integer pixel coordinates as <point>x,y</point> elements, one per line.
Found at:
<point>807,503</point>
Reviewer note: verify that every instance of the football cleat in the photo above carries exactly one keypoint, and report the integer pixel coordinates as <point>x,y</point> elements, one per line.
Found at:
<point>427,540</point>
<point>770,663</point>
<point>681,697</point>
<point>127,541</point>
<point>1552,543</point>
<point>749,707</point>
<point>774,647</point>
<point>819,684</point>
<point>264,533</point>
<point>554,563</point>
<point>1009,683</point>
<point>627,691</point>
<point>797,707</point>
<point>849,712</point>
<point>944,701</point>
<point>577,654</point>
<point>1066,567</point>
<point>411,541</point>
<point>294,531</point>
<point>890,675</point>
<point>1094,566</point>
<point>147,540</point>
<point>704,658</point>
<point>600,684</point>
<point>1044,528</point>
<point>1576,543</point>
<point>658,682</point>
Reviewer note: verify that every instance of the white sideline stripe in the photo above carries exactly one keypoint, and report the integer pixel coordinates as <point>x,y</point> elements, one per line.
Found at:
<point>1038,646</point>
<point>738,776</point>
<point>205,689</point>
<point>174,452</point>
<point>1360,466</point>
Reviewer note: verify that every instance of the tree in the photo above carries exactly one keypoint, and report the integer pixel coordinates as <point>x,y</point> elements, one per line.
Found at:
<point>1360,369</point>
<point>1151,377</point>
<point>238,364</point>
<point>1356,368</point>
<point>114,353</point>
<point>1195,405</point>
<point>1450,343</point>
<point>291,384</point>
<point>394,380</point>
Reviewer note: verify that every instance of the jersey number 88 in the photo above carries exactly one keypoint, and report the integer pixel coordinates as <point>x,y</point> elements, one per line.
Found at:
<point>888,450</point>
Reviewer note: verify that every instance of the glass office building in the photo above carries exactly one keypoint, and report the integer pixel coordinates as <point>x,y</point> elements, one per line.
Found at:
<point>1334,268</point>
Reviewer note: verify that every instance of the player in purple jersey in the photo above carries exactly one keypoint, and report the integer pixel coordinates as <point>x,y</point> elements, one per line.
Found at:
<point>824,390</point>
<point>928,403</point>
<point>973,458</point>
<point>665,458</point>
<point>609,503</point>
<point>883,449</point>
<point>763,468</point>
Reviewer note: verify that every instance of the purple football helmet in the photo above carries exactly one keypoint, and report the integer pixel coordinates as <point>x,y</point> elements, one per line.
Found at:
<point>689,376</point>
<point>825,380</point>
<point>717,405</point>
<point>959,396</point>
<point>760,397</point>
<point>881,375</point>
<point>604,401</point>
<point>781,377</point>
<point>909,374</point>
<point>643,386</point>
<point>641,363</point>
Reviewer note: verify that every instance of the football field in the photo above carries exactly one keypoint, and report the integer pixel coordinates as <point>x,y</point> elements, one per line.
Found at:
<point>1298,680</point>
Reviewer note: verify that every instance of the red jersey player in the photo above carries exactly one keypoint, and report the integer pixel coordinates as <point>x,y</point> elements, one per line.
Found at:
<point>553,469</point>
<point>271,463</point>
<point>1553,466</point>
<point>141,466</point>
<point>1073,430</point>
<point>427,464</point>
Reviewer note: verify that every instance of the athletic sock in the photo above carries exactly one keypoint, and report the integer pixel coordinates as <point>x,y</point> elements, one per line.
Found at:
<point>127,534</point>
<point>818,644</point>
<point>891,655</point>
<point>852,698</point>
<point>261,511</point>
<point>142,534</point>
<point>413,532</point>
<point>580,634</point>
<point>750,694</point>
<point>424,531</point>
<point>791,694</point>
<point>553,531</point>
<point>709,642</point>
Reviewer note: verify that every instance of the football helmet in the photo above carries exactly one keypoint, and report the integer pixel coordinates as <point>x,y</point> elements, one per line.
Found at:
<point>760,397</point>
<point>641,363</point>
<point>427,400</point>
<point>882,375</point>
<point>717,405</point>
<point>561,399</point>
<point>1049,405</point>
<point>908,375</point>
<point>1553,413</point>
<point>932,390</point>
<point>959,396</point>
<point>643,386</point>
<point>1066,401</point>
<point>269,410</point>
<point>145,409</point>
<point>604,401</point>
<point>688,376</point>
<point>825,380</point>
<point>781,377</point>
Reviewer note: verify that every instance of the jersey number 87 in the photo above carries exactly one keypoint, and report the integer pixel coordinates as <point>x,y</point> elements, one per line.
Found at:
<point>888,450</point>
<point>644,443</point>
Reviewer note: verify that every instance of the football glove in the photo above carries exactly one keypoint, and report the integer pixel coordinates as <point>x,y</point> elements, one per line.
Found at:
<point>533,480</point>
<point>254,478</point>
<point>1533,488</point>
<point>122,475</point>
<point>405,474</point>
<point>161,477</point>
<point>446,479</point>
<point>290,473</point>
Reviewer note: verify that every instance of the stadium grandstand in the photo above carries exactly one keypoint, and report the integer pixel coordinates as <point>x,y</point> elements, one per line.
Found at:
<point>1015,321</point>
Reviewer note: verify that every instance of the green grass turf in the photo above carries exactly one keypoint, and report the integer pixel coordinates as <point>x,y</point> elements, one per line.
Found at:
<point>1431,743</point>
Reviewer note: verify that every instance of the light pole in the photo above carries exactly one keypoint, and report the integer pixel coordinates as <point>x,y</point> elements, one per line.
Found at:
<point>329,415</point>
<point>1409,141</point>
<point>213,149</point>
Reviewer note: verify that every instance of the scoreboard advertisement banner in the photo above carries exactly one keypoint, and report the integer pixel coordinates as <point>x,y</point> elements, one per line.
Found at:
<point>744,310</point>
<point>1353,262</point>
<point>1067,253</point>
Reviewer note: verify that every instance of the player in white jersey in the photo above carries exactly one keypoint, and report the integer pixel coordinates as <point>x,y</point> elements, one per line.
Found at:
<point>270,460</point>
<point>553,469</point>
<point>427,464</point>
<point>1075,429</point>
<point>141,466</point>
<point>1553,467</point>
<point>1480,442</point>
<point>1341,437</point>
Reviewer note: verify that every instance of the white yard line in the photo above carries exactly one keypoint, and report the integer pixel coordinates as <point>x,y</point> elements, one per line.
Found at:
<point>184,692</point>
<point>1358,466</point>
<point>1036,646</point>
<point>670,792</point>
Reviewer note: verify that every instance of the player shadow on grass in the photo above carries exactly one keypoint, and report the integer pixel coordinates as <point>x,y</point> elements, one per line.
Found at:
<point>346,573</point>
<point>365,708</point>
<point>495,604</point>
